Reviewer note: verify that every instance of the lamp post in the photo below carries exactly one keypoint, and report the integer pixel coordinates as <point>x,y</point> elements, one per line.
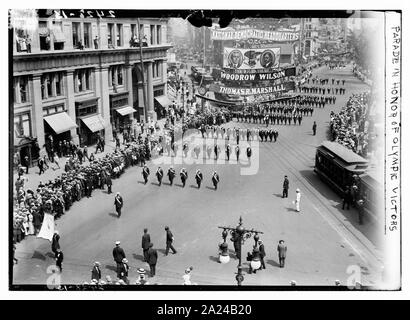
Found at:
<point>241,234</point>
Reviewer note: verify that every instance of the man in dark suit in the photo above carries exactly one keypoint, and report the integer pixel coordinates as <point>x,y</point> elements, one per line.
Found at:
<point>59,259</point>
<point>145,174</point>
<point>262,253</point>
<point>118,202</point>
<point>146,240</point>
<point>55,245</point>
<point>169,240</point>
<point>96,272</point>
<point>199,177</point>
<point>215,179</point>
<point>159,174</point>
<point>108,180</point>
<point>152,259</point>
<point>171,175</point>
<point>118,254</point>
<point>285,187</point>
<point>282,248</point>
<point>123,274</point>
<point>184,176</point>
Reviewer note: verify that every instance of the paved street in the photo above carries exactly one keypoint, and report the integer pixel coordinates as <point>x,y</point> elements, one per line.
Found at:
<point>322,240</point>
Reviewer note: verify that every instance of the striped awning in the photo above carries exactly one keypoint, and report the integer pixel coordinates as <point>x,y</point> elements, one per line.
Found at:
<point>60,122</point>
<point>94,123</point>
<point>125,110</point>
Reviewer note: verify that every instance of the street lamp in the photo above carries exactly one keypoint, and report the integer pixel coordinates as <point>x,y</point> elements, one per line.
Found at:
<point>241,234</point>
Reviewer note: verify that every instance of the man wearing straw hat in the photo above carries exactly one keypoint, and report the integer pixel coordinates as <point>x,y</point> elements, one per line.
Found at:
<point>118,254</point>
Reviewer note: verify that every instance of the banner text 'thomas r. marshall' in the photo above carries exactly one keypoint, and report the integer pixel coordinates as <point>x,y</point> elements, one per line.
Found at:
<point>286,86</point>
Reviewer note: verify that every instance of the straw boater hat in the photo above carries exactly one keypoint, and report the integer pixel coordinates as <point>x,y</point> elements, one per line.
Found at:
<point>141,270</point>
<point>297,190</point>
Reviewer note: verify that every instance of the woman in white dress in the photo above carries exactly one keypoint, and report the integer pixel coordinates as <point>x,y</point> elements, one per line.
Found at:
<point>297,201</point>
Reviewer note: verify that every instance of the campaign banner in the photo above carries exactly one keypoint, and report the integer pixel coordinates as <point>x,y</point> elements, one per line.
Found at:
<point>286,86</point>
<point>254,33</point>
<point>230,75</point>
<point>267,58</point>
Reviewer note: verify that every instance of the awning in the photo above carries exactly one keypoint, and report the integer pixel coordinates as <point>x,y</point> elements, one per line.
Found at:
<point>43,31</point>
<point>58,35</point>
<point>125,110</point>
<point>163,101</point>
<point>60,122</point>
<point>94,123</point>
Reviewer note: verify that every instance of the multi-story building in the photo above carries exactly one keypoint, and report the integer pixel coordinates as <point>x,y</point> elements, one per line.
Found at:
<point>78,77</point>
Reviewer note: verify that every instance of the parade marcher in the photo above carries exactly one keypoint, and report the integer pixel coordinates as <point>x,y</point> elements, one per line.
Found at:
<point>124,268</point>
<point>169,240</point>
<point>285,187</point>
<point>108,181</point>
<point>198,177</point>
<point>159,174</point>
<point>314,128</point>
<point>237,151</point>
<point>297,200</point>
<point>209,151</point>
<point>262,253</point>
<point>282,248</point>
<point>184,176</point>
<point>118,254</point>
<point>146,240</point>
<point>152,257</point>
<point>96,272</point>
<point>55,243</point>
<point>145,174</point>
<point>59,259</point>
<point>228,151</point>
<point>215,179</point>
<point>171,175</point>
<point>119,203</point>
<point>249,153</point>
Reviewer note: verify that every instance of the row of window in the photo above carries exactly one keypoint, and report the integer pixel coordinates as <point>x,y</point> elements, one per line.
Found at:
<point>82,36</point>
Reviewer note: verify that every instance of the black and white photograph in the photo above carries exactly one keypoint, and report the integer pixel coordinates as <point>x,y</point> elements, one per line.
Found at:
<point>204,150</point>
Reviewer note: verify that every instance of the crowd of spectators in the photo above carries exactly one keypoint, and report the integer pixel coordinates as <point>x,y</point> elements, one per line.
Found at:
<point>350,127</point>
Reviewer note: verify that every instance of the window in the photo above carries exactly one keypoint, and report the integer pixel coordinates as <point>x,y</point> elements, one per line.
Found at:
<point>82,80</point>
<point>152,34</point>
<point>22,125</point>
<point>44,34</point>
<point>58,35</point>
<point>134,30</point>
<point>84,109</point>
<point>159,34</point>
<point>87,35</point>
<point>51,85</point>
<point>59,83</point>
<point>53,109</point>
<point>76,34</point>
<point>23,43</point>
<point>119,35</point>
<point>110,35</point>
<point>21,89</point>
<point>116,76</point>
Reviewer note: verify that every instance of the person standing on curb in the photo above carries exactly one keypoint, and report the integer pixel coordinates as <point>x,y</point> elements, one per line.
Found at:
<point>282,249</point>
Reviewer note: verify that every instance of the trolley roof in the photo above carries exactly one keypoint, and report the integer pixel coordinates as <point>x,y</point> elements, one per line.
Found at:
<point>343,153</point>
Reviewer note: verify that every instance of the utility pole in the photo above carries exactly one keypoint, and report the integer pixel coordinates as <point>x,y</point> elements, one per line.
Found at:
<point>300,38</point>
<point>144,97</point>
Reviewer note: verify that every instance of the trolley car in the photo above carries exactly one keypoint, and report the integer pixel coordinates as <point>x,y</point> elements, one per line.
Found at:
<point>337,165</point>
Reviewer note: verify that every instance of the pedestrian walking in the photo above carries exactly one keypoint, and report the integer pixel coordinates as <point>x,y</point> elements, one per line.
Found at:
<point>119,203</point>
<point>215,179</point>
<point>159,174</point>
<point>146,240</point>
<point>285,187</point>
<point>55,243</point>
<point>184,176</point>
<point>118,254</point>
<point>282,249</point>
<point>171,175</point>
<point>145,174</point>
<point>297,200</point>
<point>198,177</point>
<point>314,128</point>
<point>152,258</point>
<point>96,272</point>
<point>41,166</point>
<point>169,241</point>
<point>262,253</point>
<point>59,259</point>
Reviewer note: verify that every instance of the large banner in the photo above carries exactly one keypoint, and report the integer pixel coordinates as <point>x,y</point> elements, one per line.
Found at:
<point>231,75</point>
<point>267,58</point>
<point>286,86</point>
<point>254,33</point>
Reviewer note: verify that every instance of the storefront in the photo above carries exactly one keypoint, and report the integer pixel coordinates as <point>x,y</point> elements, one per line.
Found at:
<point>90,124</point>
<point>58,126</point>
<point>161,104</point>
<point>25,146</point>
<point>121,114</point>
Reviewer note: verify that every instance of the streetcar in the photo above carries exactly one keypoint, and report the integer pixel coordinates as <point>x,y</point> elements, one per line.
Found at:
<point>338,166</point>
<point>371,191</point>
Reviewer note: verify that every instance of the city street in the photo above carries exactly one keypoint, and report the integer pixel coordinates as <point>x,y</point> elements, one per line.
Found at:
<point>323,240</point>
